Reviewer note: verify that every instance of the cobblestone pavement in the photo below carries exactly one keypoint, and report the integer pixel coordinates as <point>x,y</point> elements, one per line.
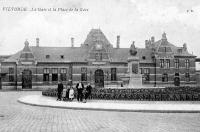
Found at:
<point>17,117</point>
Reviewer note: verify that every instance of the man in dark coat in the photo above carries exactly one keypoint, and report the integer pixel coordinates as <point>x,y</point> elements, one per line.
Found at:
<point>59,89</point>
<point>88,91</point>
<point>80,88</point>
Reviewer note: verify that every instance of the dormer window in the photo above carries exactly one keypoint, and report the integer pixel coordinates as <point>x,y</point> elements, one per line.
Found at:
<point>47,56</point>
<point>62,56</point>
<point>179,50</point>
<point>143,57</point>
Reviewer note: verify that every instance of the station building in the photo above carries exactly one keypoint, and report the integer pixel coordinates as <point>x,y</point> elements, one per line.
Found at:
<point>97,61</point>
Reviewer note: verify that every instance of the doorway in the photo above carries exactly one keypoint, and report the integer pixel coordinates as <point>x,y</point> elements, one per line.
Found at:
<point>99,78</point>
<point>27,79</point>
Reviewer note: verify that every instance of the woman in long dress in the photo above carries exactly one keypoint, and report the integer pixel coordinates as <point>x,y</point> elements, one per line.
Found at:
<point>71,93</point>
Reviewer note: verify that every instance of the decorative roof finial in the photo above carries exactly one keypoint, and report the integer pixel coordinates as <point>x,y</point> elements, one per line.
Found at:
<point>164,36</point>
<point>26,43</point>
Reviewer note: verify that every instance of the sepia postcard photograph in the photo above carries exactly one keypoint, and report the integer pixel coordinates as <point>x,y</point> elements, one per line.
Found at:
<point>99,66</point>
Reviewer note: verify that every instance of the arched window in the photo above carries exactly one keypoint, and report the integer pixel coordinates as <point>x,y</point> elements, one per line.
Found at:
<point>187,76</point>
<point>165,77</point>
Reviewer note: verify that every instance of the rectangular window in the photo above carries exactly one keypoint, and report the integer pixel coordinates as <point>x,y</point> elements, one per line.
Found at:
<point>11,74</point>
<point>141,71</point>
<point>113,74</point>
<point>46,74</point>
<point>187,77</point>
<point>167,63</point>
<point>165,77</point>
<point>161,63</point>
<point>146,74</point>
<point>54,74</point>
<point>176,63</point>
<point>83,74</point>
<point>101,56</point>
<point>63,72</point>
<point>187,64</point>
<point>70,72</point>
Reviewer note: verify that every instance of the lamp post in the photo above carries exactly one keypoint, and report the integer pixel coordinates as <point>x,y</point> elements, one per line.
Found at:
<point>90,77</point>
<point>155,72</point>
<point>107,77</point>
<point>16,75</point>
<point>0,77</point>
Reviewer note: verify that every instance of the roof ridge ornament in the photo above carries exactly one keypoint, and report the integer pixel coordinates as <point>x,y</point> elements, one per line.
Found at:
<point>164,36</point>
<point>26,43</point>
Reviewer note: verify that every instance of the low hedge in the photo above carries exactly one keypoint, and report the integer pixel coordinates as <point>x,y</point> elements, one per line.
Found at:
<point>154,94</point>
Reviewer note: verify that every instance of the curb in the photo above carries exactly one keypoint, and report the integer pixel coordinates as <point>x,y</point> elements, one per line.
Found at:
<point>112,110</point>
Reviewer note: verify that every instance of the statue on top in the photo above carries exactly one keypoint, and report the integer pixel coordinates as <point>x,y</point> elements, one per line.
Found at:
<point>133,50</point>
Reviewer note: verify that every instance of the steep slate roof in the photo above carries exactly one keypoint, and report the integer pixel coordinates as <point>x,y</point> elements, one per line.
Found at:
<point>70,54</point>
<point>96,35</point>
<point>174,49</point>
<point>80,54</point>
<point>122,54</point>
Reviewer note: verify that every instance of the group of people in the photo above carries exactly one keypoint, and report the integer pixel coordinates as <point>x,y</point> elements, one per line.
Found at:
<point>68,93</point>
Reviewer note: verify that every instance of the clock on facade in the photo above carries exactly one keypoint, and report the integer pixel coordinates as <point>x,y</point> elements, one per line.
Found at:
<point>98,46</point>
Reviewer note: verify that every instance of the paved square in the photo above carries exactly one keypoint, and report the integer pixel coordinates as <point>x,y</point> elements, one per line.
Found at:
<point>18,117</point>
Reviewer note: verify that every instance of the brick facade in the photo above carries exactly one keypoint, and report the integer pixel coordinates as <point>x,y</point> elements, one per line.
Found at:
<point>82,63</point>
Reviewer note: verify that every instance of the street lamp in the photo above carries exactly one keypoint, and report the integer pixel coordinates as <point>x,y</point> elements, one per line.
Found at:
<point>107,77</point>
<point>90,77</point>
<point>0,76</point>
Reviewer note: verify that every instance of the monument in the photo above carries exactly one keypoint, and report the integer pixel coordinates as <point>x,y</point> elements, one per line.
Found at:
<point>135,78</point>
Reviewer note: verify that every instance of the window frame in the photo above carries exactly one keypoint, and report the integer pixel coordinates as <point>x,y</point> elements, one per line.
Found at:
<point>187,77</point>
<point>187,63</point>
<point>162,63</point>
<point>146,72</point>
<point>165,77</point>
<point>167,65</point>
<point>46,72</point>
<point>83,73</point>
<point>54,74</point>
<point>113,74</point>
<point>11,74</point>
<point>176,63</point>
<point>63,74</point>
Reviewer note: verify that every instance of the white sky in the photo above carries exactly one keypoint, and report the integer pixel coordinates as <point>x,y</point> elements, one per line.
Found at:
<point>133,20</point>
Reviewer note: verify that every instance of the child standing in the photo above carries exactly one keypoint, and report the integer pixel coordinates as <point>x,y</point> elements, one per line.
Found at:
<point>64,94</point>
<point>71,93</point>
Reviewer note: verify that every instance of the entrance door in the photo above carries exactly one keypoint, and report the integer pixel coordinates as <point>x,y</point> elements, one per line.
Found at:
<point>99,78</point>
<point>176,79</point>
<point>26,79</point>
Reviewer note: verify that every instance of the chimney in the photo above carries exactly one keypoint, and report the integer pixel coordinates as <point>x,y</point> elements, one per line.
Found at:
<point>152,39</point>
<point>146,44</point>
<point>37,42</point>
<point>118,41</point>
<point>72,42</point>
<point>185,47</point>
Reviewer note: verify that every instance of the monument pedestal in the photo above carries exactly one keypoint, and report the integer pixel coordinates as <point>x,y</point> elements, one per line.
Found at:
<point>135,78</point>
<point>135,81</point>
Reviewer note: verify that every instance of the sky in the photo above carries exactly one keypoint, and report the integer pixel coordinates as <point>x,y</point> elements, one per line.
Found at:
<point>133,20</point>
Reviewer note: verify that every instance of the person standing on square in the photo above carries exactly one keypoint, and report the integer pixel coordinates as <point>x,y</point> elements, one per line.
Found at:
<point>88,91</point>
<point>71,94</point>
<point>59,90</point>
<point>80,88</point>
